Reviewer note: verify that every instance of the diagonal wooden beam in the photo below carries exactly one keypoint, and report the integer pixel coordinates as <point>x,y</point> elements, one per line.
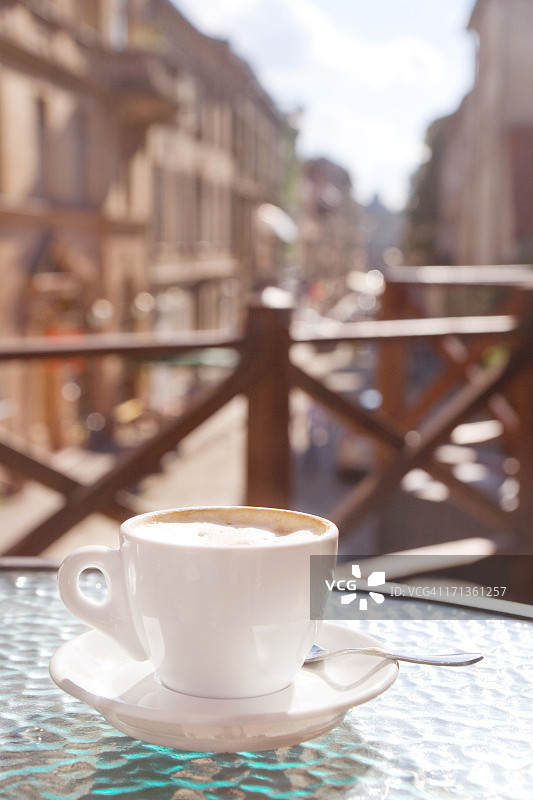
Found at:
<point>418,449</point>
<point>470,499</point>
<point>38,470</point>
<point>134,464</point>
<point>375,423</point>
<point>460,359</point>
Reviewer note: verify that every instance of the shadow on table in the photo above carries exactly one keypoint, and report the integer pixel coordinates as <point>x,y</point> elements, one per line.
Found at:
<point>330,766</point>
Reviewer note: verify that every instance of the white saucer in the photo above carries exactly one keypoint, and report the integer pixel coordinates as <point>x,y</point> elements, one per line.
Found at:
<point>127,693</point>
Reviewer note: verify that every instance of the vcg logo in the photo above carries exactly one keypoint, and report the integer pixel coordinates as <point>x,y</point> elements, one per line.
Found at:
<point>348,587</point>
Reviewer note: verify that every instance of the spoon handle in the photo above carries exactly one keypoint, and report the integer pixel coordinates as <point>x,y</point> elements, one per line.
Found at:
<point>445,660</point>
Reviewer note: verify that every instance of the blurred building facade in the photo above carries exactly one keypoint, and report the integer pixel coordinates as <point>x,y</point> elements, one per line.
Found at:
<point>134,155</point>
<point>74,113</point>
<point>213,166</point>
<point>472,202</point>
<point>330,228</point>
<point>383,231</point>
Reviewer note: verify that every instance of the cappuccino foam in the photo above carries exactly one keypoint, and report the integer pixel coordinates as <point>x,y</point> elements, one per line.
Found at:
<point>211,534</point>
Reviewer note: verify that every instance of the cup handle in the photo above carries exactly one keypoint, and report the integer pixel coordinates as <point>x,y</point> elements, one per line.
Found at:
<point>113,616</point>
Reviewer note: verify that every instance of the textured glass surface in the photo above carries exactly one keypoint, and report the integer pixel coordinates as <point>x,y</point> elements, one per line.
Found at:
<point>436,733</point>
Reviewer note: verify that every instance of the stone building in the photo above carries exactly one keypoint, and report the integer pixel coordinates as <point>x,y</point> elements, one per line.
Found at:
<point>74,114</point>
<point>473,201</point>
<point>134,155</point>
<point>213,167</point>
<point>329,228</point>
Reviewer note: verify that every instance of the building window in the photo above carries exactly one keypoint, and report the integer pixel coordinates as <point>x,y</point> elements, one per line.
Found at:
<point>79,165</point>
<point>199,208</point>
<point>158,205</point>
<point>41,147</point>
<point>199,122</point>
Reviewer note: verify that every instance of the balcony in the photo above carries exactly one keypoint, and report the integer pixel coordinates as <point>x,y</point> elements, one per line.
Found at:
<point>484,380</point>
<point>146,86</point>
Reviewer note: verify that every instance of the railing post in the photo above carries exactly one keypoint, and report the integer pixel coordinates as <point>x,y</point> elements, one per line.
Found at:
<point>391,369</point>
<point>268,446</point>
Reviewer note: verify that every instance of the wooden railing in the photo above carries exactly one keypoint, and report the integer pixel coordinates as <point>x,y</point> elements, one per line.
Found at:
<point>407,435</point>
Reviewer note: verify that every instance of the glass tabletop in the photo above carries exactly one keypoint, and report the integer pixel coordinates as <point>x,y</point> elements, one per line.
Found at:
<point>436,733</point>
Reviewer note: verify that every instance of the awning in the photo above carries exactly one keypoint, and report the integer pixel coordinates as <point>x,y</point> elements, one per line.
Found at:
<point>274,220</point>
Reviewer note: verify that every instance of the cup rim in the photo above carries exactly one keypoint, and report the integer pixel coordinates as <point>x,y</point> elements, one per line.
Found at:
<point>330,530</point>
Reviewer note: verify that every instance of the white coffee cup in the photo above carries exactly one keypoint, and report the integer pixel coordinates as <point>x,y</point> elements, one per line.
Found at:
<point>215,618</point>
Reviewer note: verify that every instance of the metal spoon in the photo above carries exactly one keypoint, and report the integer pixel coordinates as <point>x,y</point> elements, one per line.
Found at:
<point>318,653</point>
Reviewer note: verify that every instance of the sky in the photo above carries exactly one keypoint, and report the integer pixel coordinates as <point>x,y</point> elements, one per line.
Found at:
<point>369,75</point>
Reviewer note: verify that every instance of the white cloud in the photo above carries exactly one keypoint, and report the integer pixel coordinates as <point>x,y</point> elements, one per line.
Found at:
<point>375,151</point>
<point>399,60</point>
<point>367,101</point>
<point>215,18</point>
